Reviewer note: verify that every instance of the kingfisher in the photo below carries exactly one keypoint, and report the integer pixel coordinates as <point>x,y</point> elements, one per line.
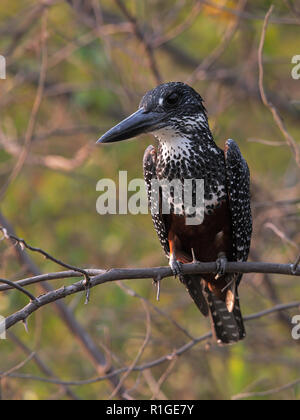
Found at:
<point>175,114</point>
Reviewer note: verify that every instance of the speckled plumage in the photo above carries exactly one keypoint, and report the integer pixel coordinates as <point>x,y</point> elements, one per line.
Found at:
<point>186,150</point>
<point>186,153</point>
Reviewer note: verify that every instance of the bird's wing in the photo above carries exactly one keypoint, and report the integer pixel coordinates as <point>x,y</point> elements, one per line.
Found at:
<point>149,166</point>
<point>238,187</point>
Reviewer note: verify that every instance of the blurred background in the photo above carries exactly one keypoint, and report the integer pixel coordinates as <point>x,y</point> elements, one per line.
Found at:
<point>74,69</point>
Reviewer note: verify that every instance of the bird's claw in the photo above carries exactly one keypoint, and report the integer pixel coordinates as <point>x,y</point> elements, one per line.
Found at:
<point>175,266</point>
<point>194,261</point>
<point>221,266</point>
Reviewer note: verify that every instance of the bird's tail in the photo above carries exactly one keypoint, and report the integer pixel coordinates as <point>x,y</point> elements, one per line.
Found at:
<point>227,327</point>
<point>194,286</point>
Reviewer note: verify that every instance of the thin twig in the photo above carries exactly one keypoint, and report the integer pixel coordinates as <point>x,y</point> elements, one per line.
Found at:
<point>39,363</point>
<point>164,377</point>
<point>35,109</point>
<point>180,28</point>
<point>177,352</point>
<point>266,393</point>
<point>23,244</point>
<point>208,62</point>
<point>87,343</point>
<point>141,37</point>
<point>18,287</point>
<point>282,235</point>
<point>267,142</point>
<point>277,118</point>
<point>51,276</point>
<point>139,273</point>
<point>17,367</point>
<point>133,293</point>
<point>284,20</point>
<point>140,352</point>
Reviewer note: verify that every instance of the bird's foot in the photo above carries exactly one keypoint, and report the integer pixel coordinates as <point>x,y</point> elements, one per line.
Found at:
<point>221,265</point>
<point>175,266</point>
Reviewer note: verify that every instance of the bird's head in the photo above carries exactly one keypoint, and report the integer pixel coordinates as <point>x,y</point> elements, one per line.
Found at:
<point>172,106</point>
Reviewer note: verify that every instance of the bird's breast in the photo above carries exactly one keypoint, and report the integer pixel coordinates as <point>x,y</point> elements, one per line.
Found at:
<point>207,239</point>
<point>182,161</point>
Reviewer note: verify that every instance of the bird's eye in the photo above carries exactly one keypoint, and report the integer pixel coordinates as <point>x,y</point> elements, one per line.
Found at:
<point>172,99</point>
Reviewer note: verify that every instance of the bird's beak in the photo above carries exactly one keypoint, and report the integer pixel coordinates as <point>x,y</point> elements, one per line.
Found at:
<point>138,123</point>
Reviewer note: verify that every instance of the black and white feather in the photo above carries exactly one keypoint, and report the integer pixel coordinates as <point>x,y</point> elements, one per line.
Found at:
<point>238,189</point>
<point>186,150</point>
<point>149,168</point>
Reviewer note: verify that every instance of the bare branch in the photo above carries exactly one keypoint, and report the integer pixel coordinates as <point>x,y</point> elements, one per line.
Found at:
<point>23,244</point>
<point>207,63</point>
<point>266,393</point>
<point>178,352</point>
<point>40,363</point>
<point>140,352</point>
<point>84,339</point>
<point>141,37</point>
<point>277,118</point>
<point>99,276</point>
<point>17,367</point>
<point>50,276</point>
<point>143,273</point>
<point>36,106</point>
<point>186,24</point>
<point>285,20</point>
<point>267,142</point>
<point>18,287</point>
<point>133,293</point>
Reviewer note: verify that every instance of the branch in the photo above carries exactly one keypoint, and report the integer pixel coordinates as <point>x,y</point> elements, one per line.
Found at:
<point>99,276</point>
<point>166,358</point>
<point>15,285</point>
<point>140,352</point>
<point>143,273</point>
<point>277,118</point>
<point>40,363</point>
<point>17,367</point>
<point>142,39</point>
<point>87,343</point>
<point>266,393</point>
<point>34,112</point>
<point>208,61</point>
<point>23,244</point>
<point>48,277</point>
<point>284,20</point>
<point>227,77</point>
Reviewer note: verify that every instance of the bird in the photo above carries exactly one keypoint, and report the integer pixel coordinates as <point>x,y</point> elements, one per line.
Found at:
<point>175,114</point>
